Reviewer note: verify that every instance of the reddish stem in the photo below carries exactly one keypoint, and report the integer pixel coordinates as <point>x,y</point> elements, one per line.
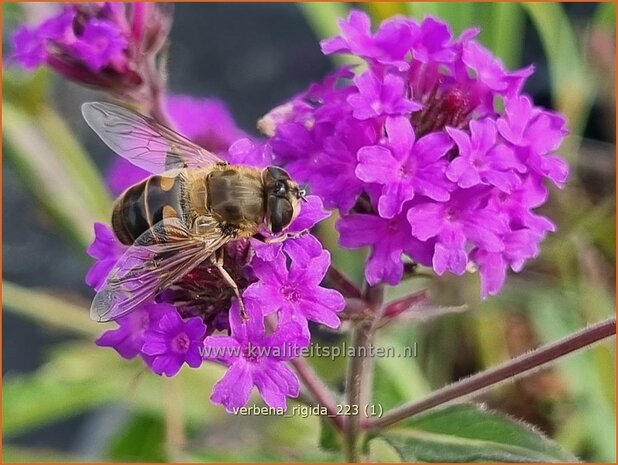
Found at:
<point>515,368</point>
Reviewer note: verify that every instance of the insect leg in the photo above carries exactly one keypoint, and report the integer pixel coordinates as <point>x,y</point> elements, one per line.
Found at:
<point>280,238</point>
<point>217,260</point>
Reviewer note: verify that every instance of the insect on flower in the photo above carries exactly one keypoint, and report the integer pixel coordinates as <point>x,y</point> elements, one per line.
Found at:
<point>181,216</point>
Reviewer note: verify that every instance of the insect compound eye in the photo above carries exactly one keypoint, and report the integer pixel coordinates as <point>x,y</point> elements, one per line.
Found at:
<point>281,213</point>
<point>279,189</point>
<point>277,173</point>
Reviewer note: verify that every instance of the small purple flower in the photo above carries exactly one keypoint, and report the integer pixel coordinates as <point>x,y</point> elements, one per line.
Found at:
<point>128,338</point>
<point>389,45</point>
<point>490,71</point>
<point>377,98</point>
<point>463,218</point>
<point>389,239</point>
<point>174,341</point>
<point>296,291</point>
<point>255,359</point>
<point>29,48</point>
<point>518,205</point>
<point>482,159</point>
<point>29,43</point>
<point>519,246</point>
<point>107,249</point>
<point>59,27</point>
<point>535,133</point>
<point>432,42</point>
<point>405,166</point>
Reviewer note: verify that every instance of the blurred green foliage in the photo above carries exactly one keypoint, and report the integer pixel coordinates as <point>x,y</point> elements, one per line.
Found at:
<point>569,285</point>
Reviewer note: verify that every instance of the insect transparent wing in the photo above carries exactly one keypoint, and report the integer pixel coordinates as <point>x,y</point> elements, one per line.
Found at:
<point>150,265</point>
<point>143,141</point>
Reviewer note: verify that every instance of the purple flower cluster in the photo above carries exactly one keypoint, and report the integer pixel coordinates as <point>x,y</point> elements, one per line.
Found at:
<point>430,151</point>
<point>280,284</point>
<point>105,44</point>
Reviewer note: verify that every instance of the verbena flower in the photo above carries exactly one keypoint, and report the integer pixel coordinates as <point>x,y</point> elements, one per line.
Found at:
<point>255,358</point>
<point>284,281</point>
<point>106,249</point>
<point>108,45</point>
<point>405,166</point>
<point>431,152</point>
<point>128,338</point>
<point>296,291</point>
<point>172,341</point>
<point>280,279</point>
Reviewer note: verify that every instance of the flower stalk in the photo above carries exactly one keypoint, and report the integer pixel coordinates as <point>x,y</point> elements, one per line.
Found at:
<point>359,378</point>
<point>511,370</point>
<point>318,390</point>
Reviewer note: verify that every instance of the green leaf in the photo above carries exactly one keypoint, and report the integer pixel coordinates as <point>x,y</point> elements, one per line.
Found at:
<point>18,454</point>
<point>49,160</point>
<point>418,10</point>
<point>77,379</point>
<point>55,170</point>
<point>605,15</point>
<point>571,86</point>
<point>81,376</point>
<point>470,433</point>
<point>28,402</point>
<point>330,439</point>
<point>379,11</point>
<point>397,379</point>
<point>48,310</point>
<point>506,21</point>
<point>322,17</point>
<point>141,440</point>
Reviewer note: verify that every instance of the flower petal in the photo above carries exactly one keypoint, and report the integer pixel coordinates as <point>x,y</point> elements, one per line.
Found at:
<point>233,390</point>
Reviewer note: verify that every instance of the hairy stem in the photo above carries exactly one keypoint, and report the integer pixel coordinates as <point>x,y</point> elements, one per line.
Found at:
<point>514,368</point>
<point>360,372</point>
<point>356,377</point>
<point>318,390</point>
<point>313,384</point>
<point>339,281</point>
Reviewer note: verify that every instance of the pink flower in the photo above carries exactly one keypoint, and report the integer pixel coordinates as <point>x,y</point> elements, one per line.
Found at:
<point>255,359</point>
<point>405,166</point>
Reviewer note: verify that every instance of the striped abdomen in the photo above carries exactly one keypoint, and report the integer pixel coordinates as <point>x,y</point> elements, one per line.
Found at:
<point>145,204</point>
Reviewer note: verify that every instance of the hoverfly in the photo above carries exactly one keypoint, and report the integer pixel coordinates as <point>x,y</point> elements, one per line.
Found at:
<point>182,215</point>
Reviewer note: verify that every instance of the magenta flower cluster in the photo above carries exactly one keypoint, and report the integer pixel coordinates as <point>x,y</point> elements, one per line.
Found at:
<point>104,44</point>
<point>430,151</point>
<point>280,281</point>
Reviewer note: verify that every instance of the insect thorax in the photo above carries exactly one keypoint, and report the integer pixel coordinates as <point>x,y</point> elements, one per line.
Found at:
<point>235,195</point>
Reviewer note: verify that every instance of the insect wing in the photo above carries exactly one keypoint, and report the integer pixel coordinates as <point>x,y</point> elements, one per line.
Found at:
<point>144,142</point>
<point>149,266</point>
